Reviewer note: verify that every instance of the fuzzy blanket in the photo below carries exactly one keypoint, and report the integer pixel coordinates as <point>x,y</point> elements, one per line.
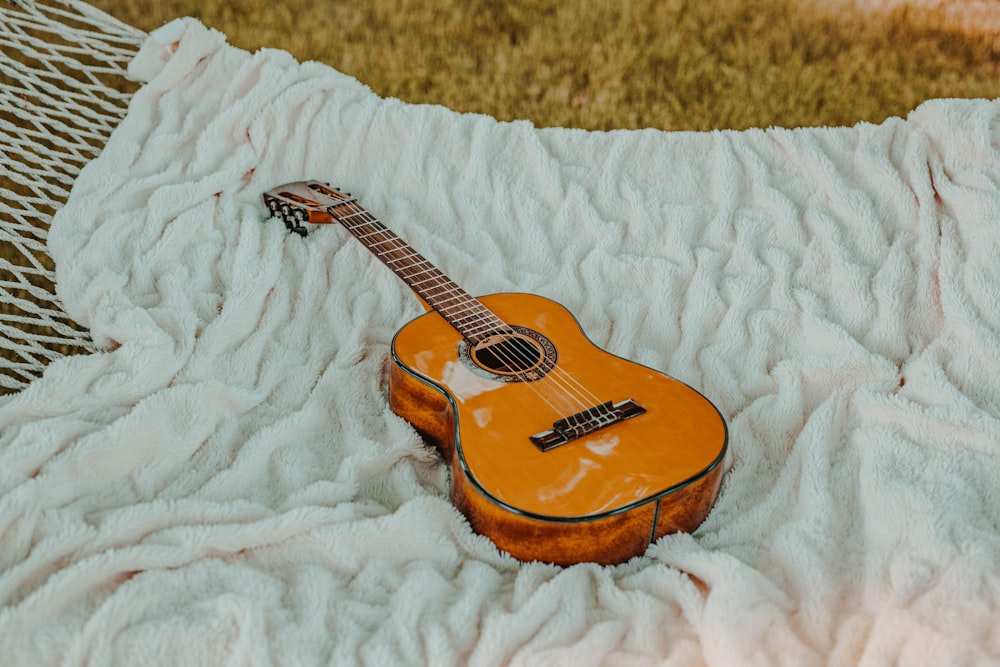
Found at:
<point>225,484</point>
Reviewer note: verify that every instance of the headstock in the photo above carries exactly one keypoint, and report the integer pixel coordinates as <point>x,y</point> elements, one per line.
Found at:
<point>304,202</point>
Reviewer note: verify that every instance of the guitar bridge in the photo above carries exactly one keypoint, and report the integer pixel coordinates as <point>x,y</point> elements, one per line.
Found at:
<point>585,422</point>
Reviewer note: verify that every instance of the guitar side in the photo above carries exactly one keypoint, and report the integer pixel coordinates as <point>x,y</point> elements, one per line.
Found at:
<point>600,498</point>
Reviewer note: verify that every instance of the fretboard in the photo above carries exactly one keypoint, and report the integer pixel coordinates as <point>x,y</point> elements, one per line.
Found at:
<point>460,309</point>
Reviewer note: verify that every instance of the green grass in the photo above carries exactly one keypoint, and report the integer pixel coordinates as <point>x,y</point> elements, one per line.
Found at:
<point>670,64</point>
<point>605,64</point>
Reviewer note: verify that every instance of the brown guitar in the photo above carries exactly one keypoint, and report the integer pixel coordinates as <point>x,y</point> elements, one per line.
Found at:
<point>559,451</point>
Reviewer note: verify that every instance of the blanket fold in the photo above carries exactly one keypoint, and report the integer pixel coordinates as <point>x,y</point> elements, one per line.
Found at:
<point>225,484</point>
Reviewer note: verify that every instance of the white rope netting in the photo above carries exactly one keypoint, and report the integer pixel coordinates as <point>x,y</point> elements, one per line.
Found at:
<point>62,91</point>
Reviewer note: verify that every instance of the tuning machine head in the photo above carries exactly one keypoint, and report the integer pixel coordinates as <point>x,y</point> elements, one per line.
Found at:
<point>303,203</point>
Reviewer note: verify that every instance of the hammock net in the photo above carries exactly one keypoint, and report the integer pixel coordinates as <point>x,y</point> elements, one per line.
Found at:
<point>62,91</point>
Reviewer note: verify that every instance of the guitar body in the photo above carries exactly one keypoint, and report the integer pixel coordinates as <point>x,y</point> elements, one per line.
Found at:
<point>602,496</point>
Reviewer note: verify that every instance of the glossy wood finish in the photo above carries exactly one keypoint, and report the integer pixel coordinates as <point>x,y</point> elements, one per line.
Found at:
<point>601,498</point>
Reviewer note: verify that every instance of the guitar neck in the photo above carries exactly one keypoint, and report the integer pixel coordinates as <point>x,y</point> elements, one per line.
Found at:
<point>460,309</point>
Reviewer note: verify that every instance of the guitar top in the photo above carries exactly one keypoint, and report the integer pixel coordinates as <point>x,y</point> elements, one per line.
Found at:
<point>558,450</point>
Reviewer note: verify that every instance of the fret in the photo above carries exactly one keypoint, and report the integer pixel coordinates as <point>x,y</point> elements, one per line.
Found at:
<point>374,228</point>
<point>450,305</point>
<point>475,316</point>
<point>382,249</point>
<point>484,327</point>
<point>365,238</point>
<point>447,290</point>
<point>388,243</point>
<point>342,218</point>
<point>431,284</point>
<point>414,261</point>
<point>452,300</point>
<point>468,304</point>
<point>430,272</point>
<point>422,278</point>
<point>388,253</point>
<point>428,282</point>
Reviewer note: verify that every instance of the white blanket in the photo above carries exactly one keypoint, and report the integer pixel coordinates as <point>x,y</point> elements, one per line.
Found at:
<point>226,485</point>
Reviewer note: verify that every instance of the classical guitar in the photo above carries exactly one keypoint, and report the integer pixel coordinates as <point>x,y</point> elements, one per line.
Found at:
<point>558,451</point>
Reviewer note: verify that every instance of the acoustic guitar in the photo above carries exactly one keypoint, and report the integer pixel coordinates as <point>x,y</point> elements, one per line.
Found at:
<point>558,450</point>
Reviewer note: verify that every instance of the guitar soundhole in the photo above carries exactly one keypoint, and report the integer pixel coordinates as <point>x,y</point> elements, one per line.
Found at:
<point>508,354</point>
<point>519,355</point>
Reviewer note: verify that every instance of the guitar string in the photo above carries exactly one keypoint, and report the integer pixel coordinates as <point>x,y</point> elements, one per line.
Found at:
<point>480,316</point>
<point>460,295</point>
<point>481,323</point>
<point>459,298</point>
<point>519,357</point>
<point>523,354</point>
<point>455,294</point>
